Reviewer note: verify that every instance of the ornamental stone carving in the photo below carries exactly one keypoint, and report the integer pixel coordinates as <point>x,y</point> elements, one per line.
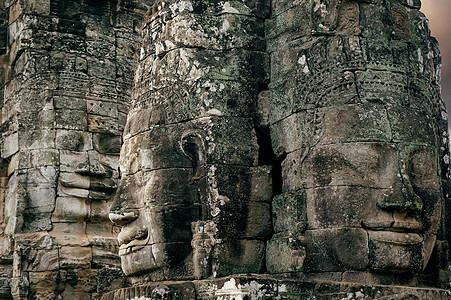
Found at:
<point>307,140</point>
<point>268,150</point>
<point>67,70</point>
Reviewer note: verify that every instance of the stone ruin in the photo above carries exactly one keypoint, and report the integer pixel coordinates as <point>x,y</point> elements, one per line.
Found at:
<point>270,150</point>
<point>67,74</point>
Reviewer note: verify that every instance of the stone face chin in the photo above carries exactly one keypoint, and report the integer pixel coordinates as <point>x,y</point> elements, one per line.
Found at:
<point>137,261</point>
<point>396,252</point>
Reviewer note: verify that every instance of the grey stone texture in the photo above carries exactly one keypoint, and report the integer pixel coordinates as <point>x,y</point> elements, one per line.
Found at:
<point>66,74</point>
<point>301,142</point>
<point>332,107</point>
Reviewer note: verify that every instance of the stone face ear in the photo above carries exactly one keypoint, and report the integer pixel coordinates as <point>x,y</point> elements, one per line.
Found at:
<point>192,144</point>
<point>202,243</point>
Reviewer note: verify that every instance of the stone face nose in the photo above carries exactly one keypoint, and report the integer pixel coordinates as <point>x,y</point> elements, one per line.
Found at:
<point>92,166</point>
<point>96,168</point>
<point>82,168</point>
<point>402,196</point>
<point>120,212</point>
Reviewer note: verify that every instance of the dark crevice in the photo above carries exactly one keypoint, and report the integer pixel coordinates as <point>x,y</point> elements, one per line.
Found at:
<point>4,163</point>
<point>263,86</point>
<point>277,175</point>
<point>3,35</point>
<point>263,269</point>
<point>54,7</point>
<point>266,156</point>
<point>265,153</point>
<point>74,9</point>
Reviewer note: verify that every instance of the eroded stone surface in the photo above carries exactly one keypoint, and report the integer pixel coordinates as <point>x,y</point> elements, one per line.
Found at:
<point>302,139</point>
<point>341,98</point>
<point>66,75</point>
<point>270,287</point>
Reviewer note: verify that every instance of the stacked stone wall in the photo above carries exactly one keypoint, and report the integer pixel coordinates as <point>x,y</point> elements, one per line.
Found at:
<point>67,71</point>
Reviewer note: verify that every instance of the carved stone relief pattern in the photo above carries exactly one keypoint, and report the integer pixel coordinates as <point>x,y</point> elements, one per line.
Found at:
<point>66,92</point>
<point>300,139</point>
<point>357,62</point>
<point>190,130</point>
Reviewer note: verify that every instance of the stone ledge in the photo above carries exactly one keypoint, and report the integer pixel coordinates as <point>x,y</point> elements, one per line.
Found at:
<point>240,287</point>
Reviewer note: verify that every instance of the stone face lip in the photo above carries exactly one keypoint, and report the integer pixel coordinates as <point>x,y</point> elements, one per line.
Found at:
<point>395,237</point>
<point>123,218</point>
<point>130,234</point>
<point>99,190</point>
<point>410,225</point>
<point>271,287</point>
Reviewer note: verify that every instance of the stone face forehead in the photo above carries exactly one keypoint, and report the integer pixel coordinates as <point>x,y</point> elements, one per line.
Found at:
<point>385,54</point>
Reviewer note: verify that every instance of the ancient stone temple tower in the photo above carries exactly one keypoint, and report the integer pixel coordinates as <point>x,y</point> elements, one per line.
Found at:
<point>66,73</point>
<point>268,150</point>
<point>302,142</point>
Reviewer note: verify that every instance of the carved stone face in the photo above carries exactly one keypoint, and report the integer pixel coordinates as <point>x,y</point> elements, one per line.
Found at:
<point>62,177</point>
<point>66,165</point>
<point>379,201</point>
<point>60,141</point>
<point>368,184</point>
<point>155,201</point>
<point>189,162</point>
<point>88,175</point>
<point>362,143</point>
<point>87,137</point>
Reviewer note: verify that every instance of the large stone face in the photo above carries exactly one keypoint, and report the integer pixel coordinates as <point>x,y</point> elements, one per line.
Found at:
<point>357,121</point>
<point>67,73</point>
<point>340,97</point>
<point>305,140</point>
<point>193,200</point>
